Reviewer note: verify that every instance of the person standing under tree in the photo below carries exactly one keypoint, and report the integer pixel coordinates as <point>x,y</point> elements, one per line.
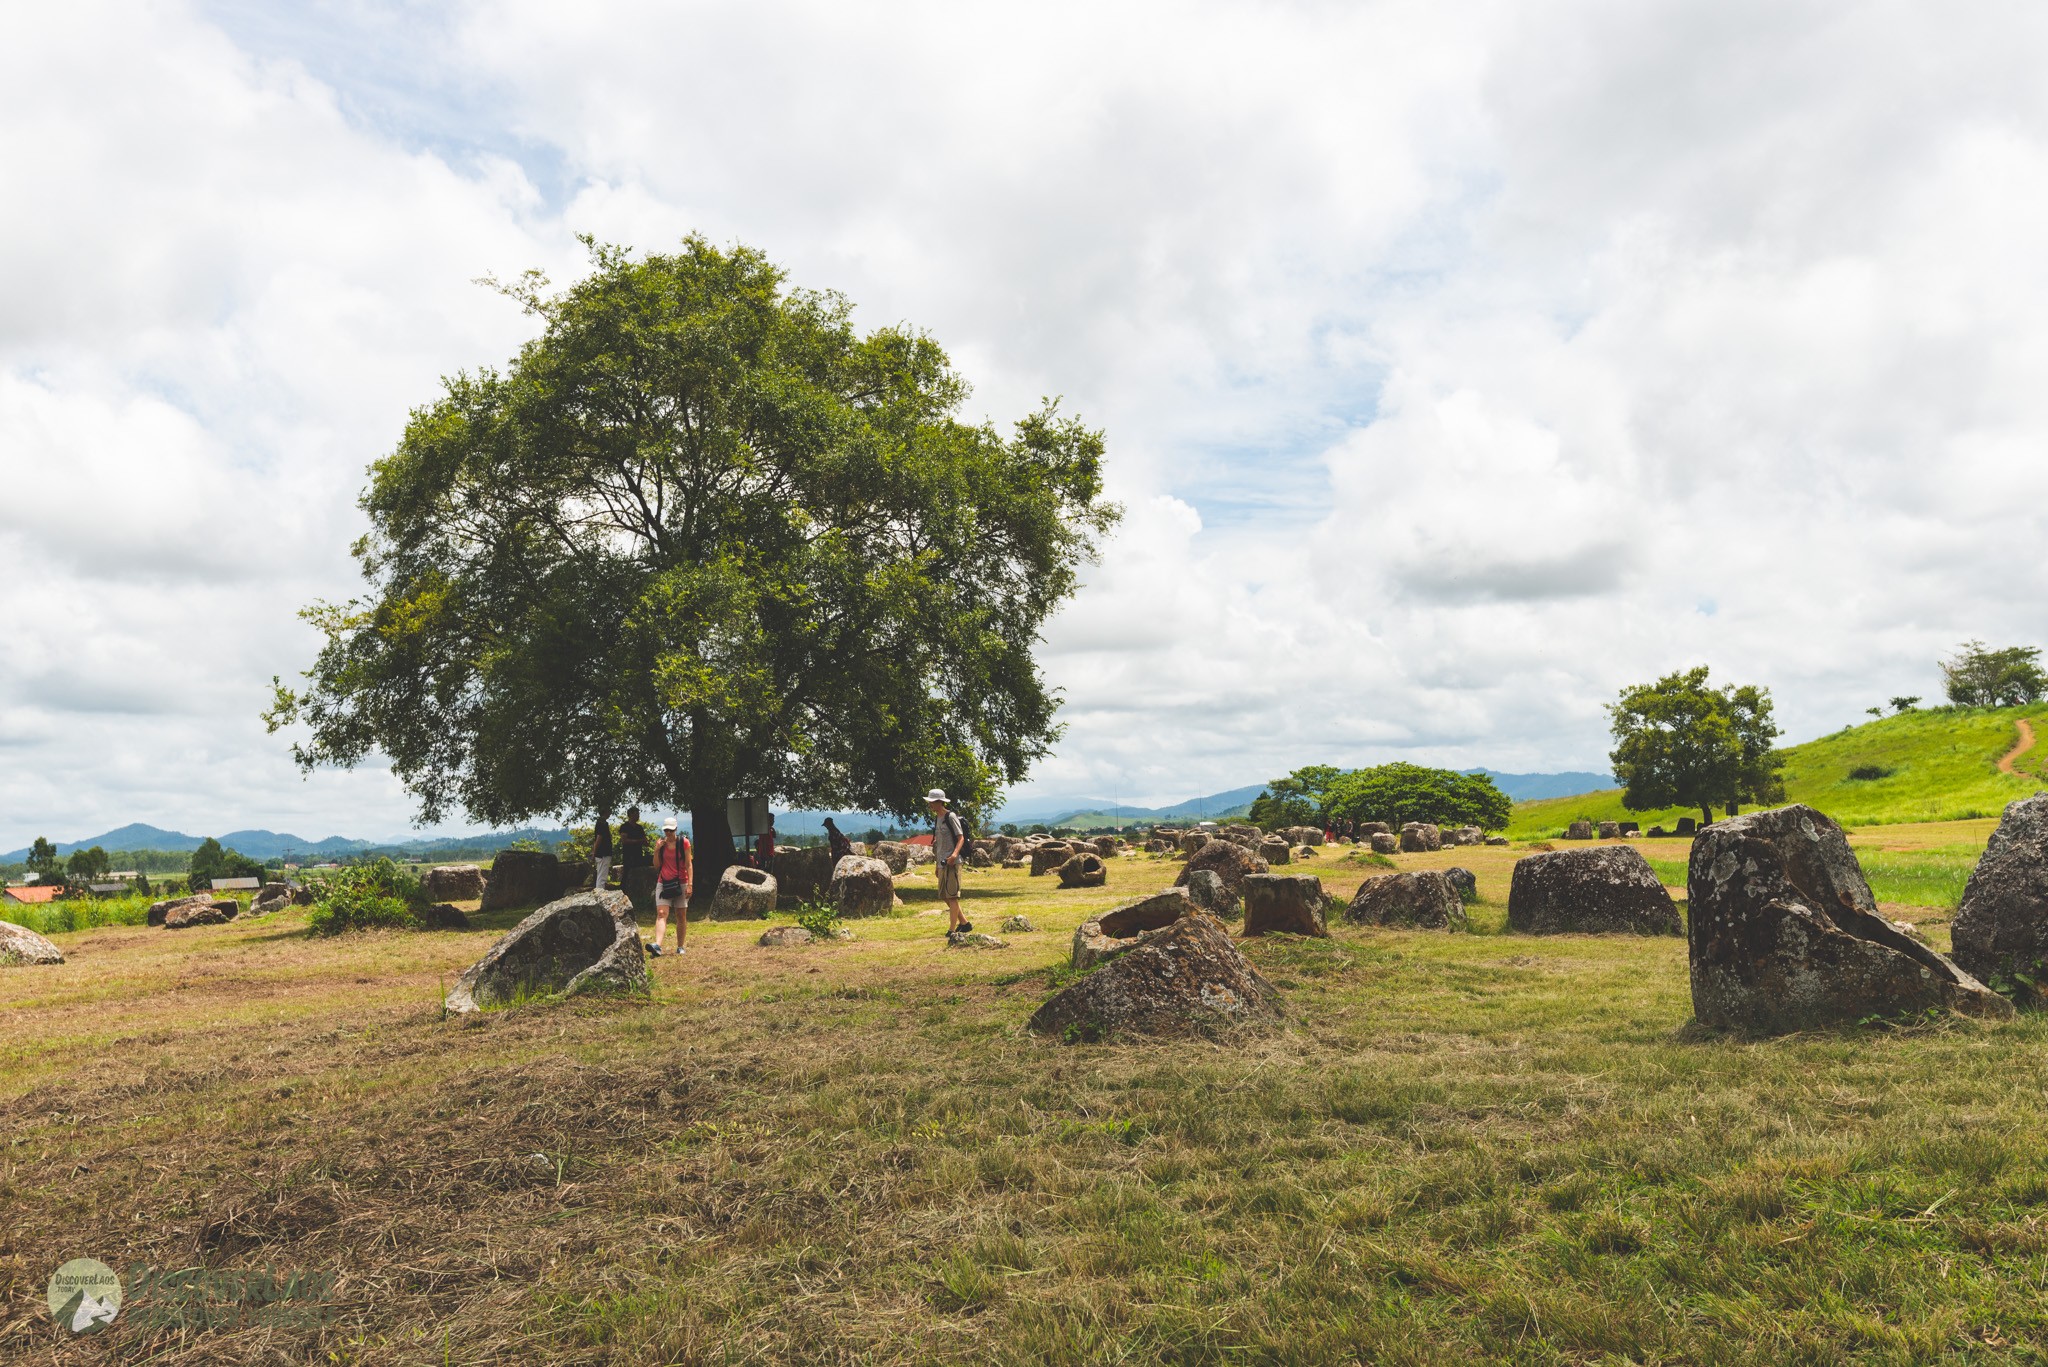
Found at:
<point>671,888</point>
<point>632,841</point>
<point>836,839</point>
<point>601,851</point>
<point>949,834</point>
<point>764,848</point>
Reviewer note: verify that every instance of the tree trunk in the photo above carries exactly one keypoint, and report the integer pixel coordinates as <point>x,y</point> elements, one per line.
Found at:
<point>1735,809</point>
<point>1706,814</point>
<point>711,850</point>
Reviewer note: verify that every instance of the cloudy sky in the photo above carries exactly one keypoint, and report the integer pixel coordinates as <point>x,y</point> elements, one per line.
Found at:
<point>1460,362</point>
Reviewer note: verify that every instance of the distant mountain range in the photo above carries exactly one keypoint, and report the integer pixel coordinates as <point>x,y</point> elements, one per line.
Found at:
<point>276,845</point>
<point>1050,811</point>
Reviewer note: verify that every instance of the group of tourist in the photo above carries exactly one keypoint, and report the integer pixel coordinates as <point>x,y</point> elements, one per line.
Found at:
<point>672,870</point>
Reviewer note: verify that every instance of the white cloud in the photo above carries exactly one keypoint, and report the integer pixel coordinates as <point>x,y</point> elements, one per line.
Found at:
<point>1460,363</point>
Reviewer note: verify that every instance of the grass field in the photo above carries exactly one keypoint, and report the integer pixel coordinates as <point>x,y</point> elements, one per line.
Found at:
<point>1943,767</point>
<point>1460,1148</point>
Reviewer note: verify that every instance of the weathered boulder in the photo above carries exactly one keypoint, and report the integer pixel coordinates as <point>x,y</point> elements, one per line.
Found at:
<point>1464,882</point>
<point>1227,860</point>
<point>1630,827</point>
<point>1110,934</point>
<point>1424,901</point>
<point>1193,841</point>
<point>1464,835</point>
<point>200,911</point>
<point>1284,904</point>
<point>861,887</point>
<point>1208,891</point>
<point>1084,871</point>
<point>1375,828</point>
<point>638,884</point>
<point>782,937</point>
<point>1608,889</point>
<point>1610,830</point>
<point>522,878</point>
<point>1579,830</point>
<point>973,939</point>
<point>979,859</point>
<point>271,897</point>
<point>801,874</point>
<point>1017,925</point>
<point>1686,826</point>
<point>159,912</point>
<point>585,942</point>
<point>1183,979</point>
<point>1784,934</point>
<point>1311,836</point>
<point>744,894</point>
<point>1107,845</point>
<point>1050,856</point>
<point>443,916</point>
<point>1496,840</point>
<point>1383,843</point>
<point>453,884</point>
<point>2000,932</point>
<point>20,945</point>
<point>1276,852</point>
<point>895,854</point>
<point>1420,837</point>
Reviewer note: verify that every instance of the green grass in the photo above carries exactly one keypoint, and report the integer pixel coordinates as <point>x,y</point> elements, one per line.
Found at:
<point>1943,767</point>
<point>1460,1148</point>
<point>79,913</point>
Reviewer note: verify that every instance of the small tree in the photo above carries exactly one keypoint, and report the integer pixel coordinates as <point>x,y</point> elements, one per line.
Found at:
<point>1681,743</point>
<point>43,861</point>
<point>86,865</point>
<point>1905,704</point>
<point>1981,677</point>
<point>211,861</point>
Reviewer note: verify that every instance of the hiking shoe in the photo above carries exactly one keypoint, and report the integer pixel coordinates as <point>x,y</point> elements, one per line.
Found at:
<point>653,951</point>
<point>965,928</point>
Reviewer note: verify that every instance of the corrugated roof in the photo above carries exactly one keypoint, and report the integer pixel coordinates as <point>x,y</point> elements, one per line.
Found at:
<point>30,893</point>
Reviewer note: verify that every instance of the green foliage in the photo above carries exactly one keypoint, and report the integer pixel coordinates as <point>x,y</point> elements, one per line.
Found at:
<point>80,913</point>
<point>43,861</point>
<point>1680,743</point>
<point>527,844</point>
<point>1981,677</point>
<point>1400,792</point>
<point>1869,773</point>
<point>211,861</point>
<point>1943,763</point>
<point>1296,800</point>
<point>576,848</point>
<point>1905,703</point>
<point>702,537</point>
<point>819,919</point>
<point>84,866</point>
<point>377,896</point>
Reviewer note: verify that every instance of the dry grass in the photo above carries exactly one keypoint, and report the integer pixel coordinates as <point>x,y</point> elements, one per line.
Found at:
<point>1463,1148</point>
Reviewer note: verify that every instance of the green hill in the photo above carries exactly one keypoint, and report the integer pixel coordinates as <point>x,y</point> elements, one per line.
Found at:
<point>1942,765</point>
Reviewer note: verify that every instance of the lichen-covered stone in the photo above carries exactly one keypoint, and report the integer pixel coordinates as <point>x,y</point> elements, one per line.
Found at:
<point>1383,843</point>
<point>1607,889</point>
<point>1186,979</point>
<point>454,883</point>
<point>1209,892</point>
<point>20,945</point>
<point>861,886</point>
<point>1226,859</point>
<point>1284,904</point>
<point>744,894</point>
<point>1784,935</point>
<point>1110,934</point>
<point>1464,882</point>
<point>1420,837</point>
<point>1084,871</point>
<point>1421,901</point>
<point>522,878</point>
<point>583,943</point>
<point>2000,932</point>
<point>782,937</point>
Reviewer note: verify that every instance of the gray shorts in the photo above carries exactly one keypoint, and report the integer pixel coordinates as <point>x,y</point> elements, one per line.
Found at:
<point>949,880</point>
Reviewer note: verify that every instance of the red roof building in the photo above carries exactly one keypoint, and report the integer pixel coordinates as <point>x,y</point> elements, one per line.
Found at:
<point>31,893</point>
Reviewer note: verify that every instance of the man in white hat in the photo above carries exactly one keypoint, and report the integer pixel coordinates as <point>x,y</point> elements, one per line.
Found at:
<point>949,834</point>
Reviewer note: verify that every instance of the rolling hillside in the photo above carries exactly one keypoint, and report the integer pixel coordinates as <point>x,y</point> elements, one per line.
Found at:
<point>1943,766</point>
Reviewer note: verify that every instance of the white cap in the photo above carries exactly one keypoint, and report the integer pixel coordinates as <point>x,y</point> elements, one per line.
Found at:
<point>935,795</point>
<point>669,824</point>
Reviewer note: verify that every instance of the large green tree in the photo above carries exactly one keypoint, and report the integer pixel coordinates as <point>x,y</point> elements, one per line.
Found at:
<point>1296,800</point>
<point>1679,742</point>
<point>703,538</point>
<point>1401,792</point>
<point>1981,677</point>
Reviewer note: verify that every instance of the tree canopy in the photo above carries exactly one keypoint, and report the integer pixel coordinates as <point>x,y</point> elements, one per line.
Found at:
<point>211,860</point>
<point>1401,792</point>
<point>1680,743</point>
<point>85,865</point>
<point>1296,800</point>
<point>1981,677</point>
<point>701,539</point>
<point>43,861</point>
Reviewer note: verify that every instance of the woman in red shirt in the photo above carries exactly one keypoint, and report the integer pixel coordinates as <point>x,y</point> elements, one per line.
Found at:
<point>671,887</point>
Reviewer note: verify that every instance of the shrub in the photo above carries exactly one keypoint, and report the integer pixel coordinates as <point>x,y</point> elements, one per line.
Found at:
<point>1864,773</point>
<point>821,920</point>
<point>375,896</point>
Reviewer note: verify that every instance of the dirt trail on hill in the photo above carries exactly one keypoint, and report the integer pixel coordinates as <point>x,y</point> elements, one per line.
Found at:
<point>2026,744</point>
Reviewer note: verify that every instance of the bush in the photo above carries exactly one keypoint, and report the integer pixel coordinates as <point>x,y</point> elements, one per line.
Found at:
<point>819,919</point>
<point>1865,773</point>
<point>375,896</point>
